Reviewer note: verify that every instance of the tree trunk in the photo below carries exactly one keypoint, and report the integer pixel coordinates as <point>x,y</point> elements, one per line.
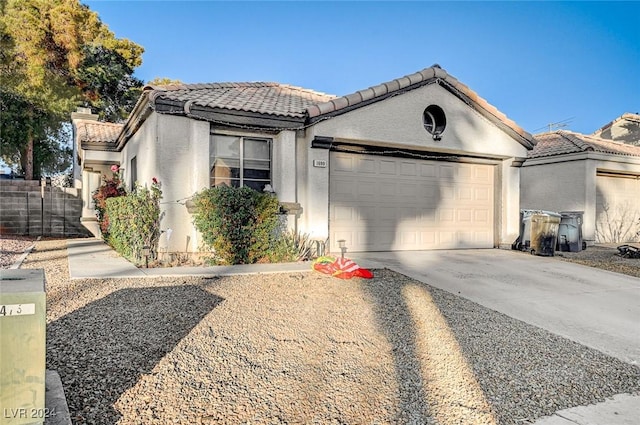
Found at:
<point>28,169</point>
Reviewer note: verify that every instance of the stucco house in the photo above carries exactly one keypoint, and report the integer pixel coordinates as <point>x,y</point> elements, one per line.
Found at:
<point>625,128</point>
<point>419,162</point>
<point>568,171</point>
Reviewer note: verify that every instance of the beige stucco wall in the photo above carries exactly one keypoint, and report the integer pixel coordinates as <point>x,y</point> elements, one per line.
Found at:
<point>397,122</point>
<point>568,183</point>
<point>175,150</point>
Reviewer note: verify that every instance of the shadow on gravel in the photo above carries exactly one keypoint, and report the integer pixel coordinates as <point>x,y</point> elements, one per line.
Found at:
<point>527,372</point>
<point>102,349</point>
<point>395,322</point>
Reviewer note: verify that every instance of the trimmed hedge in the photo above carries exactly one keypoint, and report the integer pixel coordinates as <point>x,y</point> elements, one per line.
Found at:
<point>240,224</point>
<point>134,222</point>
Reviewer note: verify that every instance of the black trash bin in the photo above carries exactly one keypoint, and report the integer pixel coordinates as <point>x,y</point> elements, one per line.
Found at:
<point>538,232</point>
<point>570,232</point>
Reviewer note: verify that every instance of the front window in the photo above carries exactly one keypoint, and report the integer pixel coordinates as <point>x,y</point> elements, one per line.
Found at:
<point>240,161</point>
<point>133,172</point>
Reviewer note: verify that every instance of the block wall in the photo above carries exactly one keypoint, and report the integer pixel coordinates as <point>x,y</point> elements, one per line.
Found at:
<point>27,209</point>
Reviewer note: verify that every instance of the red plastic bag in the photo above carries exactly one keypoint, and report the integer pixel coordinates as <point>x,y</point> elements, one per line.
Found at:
<point>342,268</point>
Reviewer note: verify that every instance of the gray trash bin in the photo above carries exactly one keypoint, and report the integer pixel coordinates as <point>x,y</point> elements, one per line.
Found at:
<point>570,232</point>
<point>538,232</point>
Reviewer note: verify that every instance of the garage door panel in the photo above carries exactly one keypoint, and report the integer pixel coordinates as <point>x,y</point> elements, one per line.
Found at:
<point>465,194</point>
<point>365,166</point>
<point>386,190</point>
<point>343,213</point>
<point>447,192</point>
<point>428,216</point>
<point>447,172</point>
<point>465,216</point>
<point>428,238</point>
<point>617,208</point>
<point>343,190</point>
<point>482,193</point>
<point>465,172</point>
<point>428,170</point>
<point>388,167</point>
<point>446,216</point>
<point>409,169</point>
<point>482,175</point>
<point>343,163</point>
<point>482,216</point>
<point>410,204</point>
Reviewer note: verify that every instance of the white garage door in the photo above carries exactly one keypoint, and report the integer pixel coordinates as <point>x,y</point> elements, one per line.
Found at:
<point>617,208</point>
<point>387,204</point>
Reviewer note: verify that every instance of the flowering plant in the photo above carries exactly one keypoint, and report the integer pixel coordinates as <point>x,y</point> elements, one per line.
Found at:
<point>110,188</point>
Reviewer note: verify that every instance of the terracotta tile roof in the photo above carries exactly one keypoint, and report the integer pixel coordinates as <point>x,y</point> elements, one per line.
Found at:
<point>259,97</point>
<point>428,75</point>
<point>297,106</point>
<point>566,142</point>
<point>89,131</point>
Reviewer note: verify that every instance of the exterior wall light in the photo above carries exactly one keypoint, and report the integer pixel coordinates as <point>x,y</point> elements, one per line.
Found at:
<point>343,246</point>
<point>145,253</point>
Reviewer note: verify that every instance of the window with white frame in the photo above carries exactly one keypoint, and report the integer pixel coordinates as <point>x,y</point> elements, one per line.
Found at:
<point>239,161</point>
<point>133,172</point>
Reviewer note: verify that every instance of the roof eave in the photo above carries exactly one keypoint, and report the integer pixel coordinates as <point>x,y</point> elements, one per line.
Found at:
<point>99,146</point>
<point>228,117</point>
<point>138,115</point>
<point>425,77</point>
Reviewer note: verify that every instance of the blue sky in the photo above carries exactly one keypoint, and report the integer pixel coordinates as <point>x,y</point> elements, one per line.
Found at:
<point>537,62</point>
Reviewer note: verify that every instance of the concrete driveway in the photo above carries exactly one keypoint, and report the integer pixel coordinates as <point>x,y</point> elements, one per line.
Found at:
<point>593,307</point>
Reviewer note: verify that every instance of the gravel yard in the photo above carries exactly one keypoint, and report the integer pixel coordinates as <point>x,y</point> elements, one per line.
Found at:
<point>12,247</point>
<point>604,257</point>
<point>304,348</point>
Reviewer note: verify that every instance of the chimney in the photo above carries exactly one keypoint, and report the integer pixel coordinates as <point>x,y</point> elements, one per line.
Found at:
<point>83,114</point>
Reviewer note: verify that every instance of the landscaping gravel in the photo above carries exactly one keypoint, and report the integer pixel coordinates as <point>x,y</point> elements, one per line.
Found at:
<point>604,257</point>
<point>304,348</point>
<point>11,248</point>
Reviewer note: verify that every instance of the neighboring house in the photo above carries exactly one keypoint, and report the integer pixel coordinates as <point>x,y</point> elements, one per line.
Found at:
<point>625,128</point>
<point>94,151</point>
<point>419,162</point>
<point>569,171</point>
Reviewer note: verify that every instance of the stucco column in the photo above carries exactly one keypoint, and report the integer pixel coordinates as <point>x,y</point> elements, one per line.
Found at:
<point>509,179</point>
<point>284,166</point>
<point>90,182</point>
<point>316,208</point>
<point>589,217</point>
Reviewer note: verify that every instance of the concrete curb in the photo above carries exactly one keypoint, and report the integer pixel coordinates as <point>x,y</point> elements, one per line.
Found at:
<point>56,408</point>
<point>622,409</point>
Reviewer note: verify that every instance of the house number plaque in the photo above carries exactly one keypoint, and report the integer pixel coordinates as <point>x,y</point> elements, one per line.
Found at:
<point>17,309</point>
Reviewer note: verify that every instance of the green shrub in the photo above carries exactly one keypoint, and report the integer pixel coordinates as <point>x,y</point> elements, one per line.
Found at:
<point>240,224</point>
<point>290,247</point>
<point>134,222</point>
<point>110,188</point>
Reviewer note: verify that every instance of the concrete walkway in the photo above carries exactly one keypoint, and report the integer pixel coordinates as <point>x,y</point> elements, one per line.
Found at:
<point>593,307</point>
<point>92,258</point>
